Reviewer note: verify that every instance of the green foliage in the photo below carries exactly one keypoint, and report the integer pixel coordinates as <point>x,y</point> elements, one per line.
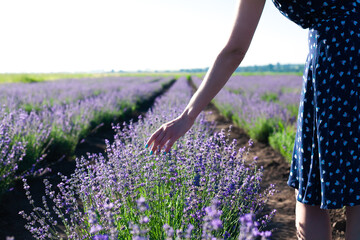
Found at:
<point>33,151</point>
<point>48,102</point>
<point>40,77</point>
<point>270,97</point>
<point>293,109</point>
<point>61,143</point>
<point>29,79</point>
<point>29,107</point>
<point>267,73</point>
<point>238,91</point>
<point>283,140</point>
<point>270,69</point>
<point>261,129</point>
<point>270,131</point>
<point>226,110</point>
<point>97,92</point>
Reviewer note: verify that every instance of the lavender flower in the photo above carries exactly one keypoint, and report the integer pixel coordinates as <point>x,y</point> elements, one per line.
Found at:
<point>142,205</point>
<point>249,228</point>
<point>169,231</point>
<point>261,104</point>
<point>189,231</point>
<point>114,185</point>
<point>47,120</point>
<point>101,237</point>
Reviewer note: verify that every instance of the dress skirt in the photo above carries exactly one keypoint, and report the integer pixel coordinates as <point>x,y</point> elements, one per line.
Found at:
<point>325,165</point>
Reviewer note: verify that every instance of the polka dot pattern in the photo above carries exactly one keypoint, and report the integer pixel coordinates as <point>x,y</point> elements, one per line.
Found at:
<point>326,156</point>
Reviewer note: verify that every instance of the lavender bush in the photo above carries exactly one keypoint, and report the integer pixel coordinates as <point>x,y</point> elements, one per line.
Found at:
<point>18,138</point>
<point>265,106</point>
<point>50,118</point>
<point>12,152</point>
<point>199,190</point>
<point>37,95</point>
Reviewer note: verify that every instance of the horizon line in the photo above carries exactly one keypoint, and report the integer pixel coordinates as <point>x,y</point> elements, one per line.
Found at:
<point>152,70</point>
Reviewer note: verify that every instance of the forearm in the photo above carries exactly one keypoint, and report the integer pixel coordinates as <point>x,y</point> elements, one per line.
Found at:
<point>249,12</point>
<point>216,77</point>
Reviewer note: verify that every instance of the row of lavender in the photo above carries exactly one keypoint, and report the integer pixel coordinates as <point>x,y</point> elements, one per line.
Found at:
<point>50,117</point>
<point>265,106</point>
<point>201,189</point>
<point>47,94</point>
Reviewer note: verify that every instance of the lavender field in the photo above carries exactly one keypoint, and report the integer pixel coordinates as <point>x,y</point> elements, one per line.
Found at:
<point>265,106</point>
<point>204,188</point>
<point>47,120</point>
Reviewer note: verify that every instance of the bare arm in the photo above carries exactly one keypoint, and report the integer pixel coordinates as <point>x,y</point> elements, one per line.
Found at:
<point>248,15</point>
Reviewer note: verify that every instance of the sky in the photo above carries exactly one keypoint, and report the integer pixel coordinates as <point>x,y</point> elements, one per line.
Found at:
<point>130,35</point>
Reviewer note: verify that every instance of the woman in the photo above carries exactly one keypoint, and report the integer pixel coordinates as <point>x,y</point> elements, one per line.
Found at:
<point>325,169</point>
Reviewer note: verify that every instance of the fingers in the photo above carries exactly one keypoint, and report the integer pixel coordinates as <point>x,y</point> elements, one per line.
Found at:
<point>153,137</point>
<point>162,143</point>
<point>166,134</point>
<point>170,144</point>
<point>158,141</point>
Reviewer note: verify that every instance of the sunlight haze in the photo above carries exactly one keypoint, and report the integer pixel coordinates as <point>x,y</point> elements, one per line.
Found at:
<point>75,36</point>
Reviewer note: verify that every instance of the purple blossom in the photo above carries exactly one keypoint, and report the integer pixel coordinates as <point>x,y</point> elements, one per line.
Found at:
<point>101,237</point>
<point>188,231</point>
<point>145,219</point>
<point>169,231</point>
<point>95,228</point>
<point>114,185</point>
<point>142,205</point>
<point>249,228</point>
<point>212,220</point>
<point>243,99</point>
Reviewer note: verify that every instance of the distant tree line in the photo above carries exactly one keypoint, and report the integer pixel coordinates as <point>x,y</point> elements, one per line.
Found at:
<point>264,68</point>
<point>272,68</point>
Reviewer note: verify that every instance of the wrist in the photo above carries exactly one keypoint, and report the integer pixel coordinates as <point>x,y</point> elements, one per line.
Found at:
<point>189,115</point>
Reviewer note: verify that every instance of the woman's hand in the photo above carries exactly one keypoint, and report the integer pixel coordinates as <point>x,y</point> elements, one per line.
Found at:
<point>169,132</point>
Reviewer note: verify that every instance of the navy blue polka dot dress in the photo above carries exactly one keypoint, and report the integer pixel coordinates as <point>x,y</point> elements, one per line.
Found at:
<point>325,165</point>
